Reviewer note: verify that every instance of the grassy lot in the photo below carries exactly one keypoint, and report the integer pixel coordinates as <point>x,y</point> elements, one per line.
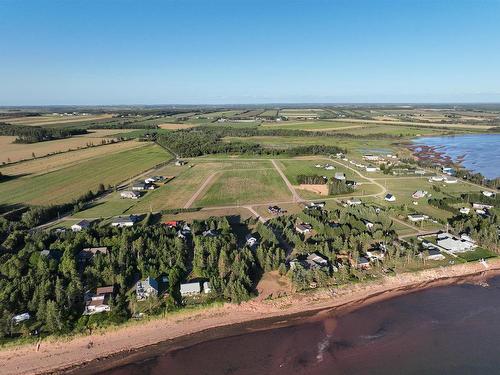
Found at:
<point>241,212</point>
<point>476,254</point>
<point>244,187</point>
<point>175,193</point>
<point>69,183</point>
<point>110,206</point>
<point>294,168</point>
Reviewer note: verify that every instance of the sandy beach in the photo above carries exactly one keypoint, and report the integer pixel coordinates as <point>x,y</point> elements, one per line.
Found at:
<point>59,354</point>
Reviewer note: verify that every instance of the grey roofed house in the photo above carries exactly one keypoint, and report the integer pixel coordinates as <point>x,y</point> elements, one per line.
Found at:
<point>21,317</point>
<point>303,228</point>
<point>146,288</point>
<point>139,186</point>
<point>89,252</point>
<point>83,224</point>
<point>209,233</point>
<point>317,204</point>
<point>124,221</point>
<point>339,176</point>
<point>190,289</point>
<point>363,262</point>
<point>314,260</point>
<point>51,254</point>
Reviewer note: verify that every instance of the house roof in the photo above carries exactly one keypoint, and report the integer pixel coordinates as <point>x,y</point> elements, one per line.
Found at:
<point>89,252</point>
<point>105,290</point>
<point>190,287</point>
<point>83,223</point>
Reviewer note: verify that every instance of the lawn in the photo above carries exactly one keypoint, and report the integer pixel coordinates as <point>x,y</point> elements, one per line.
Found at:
<point>68,183</point>
<point>244,187</point>
<point>476,254</point>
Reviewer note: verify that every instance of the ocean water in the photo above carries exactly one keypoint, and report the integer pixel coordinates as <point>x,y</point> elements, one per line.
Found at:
<point>444,330</point>
<point>481,152</point>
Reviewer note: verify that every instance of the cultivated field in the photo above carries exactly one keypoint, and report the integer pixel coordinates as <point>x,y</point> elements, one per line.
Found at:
<point>66,159</point>
<point>12,152</point>
<point>69,183</point>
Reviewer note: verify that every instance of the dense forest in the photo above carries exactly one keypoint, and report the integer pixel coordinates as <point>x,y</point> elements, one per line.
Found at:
<point>208,140</point>
<point>33,134</point>
<point>51,287</point>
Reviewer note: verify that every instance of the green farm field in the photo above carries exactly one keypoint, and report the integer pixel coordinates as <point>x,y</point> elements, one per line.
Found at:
<point>66,184</point>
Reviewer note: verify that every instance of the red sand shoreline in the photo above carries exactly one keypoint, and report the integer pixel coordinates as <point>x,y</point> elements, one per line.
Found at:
<point>114,345</point>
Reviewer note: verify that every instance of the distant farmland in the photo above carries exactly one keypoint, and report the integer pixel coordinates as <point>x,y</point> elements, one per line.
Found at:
<point>51,119</point>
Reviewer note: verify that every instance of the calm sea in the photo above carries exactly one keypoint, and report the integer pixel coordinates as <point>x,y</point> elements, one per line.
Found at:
<point>444,330</point>
<point>481,152</point>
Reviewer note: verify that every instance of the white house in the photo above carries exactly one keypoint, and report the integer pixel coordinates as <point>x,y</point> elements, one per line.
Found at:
<point>21,318</point>
<point>146,288</point>
<point>130,194</point>
<point>455,245</point>
<point>329,167</point>
<point>436,179</point>
<point>81,225</point>
<point>314,260</point>
<point>419,194</point>
<point>124,221</point>
<point>434,254</point>
<point>206,287</point>
<point>417,217</point>
<point>488,194</point>
<point>390,198</point>
<point>189,289</point>
<point>251,240</point>
<point>465,210</point>
<point>317,204</point>
<point>368,224</point>
<point>481,206</point>
<point>99,302</point>
<point>139,186</point>
<point>371,168</point>
<point>353,202</point>
<point>377,254</point>
<point>303,228</point>
<point>339,176</point>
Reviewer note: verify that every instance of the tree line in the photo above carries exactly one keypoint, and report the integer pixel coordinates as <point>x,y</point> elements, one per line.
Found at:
<point>34,134</point>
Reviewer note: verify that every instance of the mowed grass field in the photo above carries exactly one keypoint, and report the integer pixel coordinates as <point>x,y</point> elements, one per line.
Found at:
<point>12,152</point>
<point>188,181</point>
<point>237,187</point>
<point>69,183</point>
<point>66,159</point>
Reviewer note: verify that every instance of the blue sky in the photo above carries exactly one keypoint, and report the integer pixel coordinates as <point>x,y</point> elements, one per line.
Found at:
<point>214,52</point>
